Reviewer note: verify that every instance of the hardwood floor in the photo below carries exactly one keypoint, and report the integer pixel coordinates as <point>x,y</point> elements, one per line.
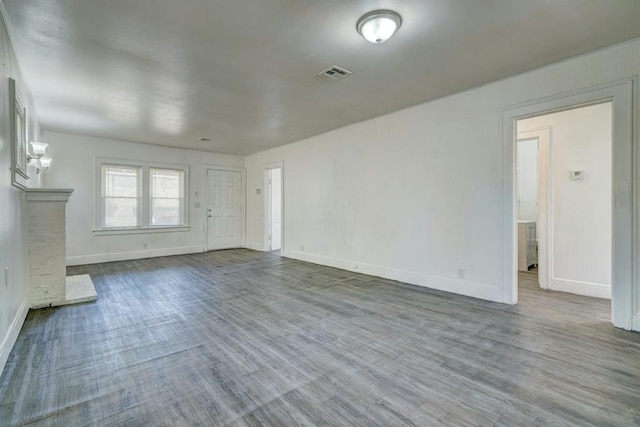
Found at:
<point>245,338</point>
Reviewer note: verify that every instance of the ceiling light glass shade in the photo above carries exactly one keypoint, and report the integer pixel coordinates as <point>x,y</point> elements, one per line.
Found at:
<point>44,163</point>
<point>38,148</point>
<point>378,26</point>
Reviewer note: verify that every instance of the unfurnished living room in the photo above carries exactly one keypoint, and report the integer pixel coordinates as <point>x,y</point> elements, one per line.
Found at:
<point>332,213</point>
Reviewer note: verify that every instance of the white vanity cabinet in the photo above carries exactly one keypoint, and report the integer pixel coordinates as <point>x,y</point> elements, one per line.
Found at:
<point>527,245</point>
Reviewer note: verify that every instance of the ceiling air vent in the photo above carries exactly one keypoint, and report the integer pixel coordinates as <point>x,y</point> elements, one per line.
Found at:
<point>335,73</point>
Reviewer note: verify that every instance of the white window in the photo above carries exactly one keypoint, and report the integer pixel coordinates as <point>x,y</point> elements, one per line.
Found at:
<point>167,196</point>
<point>121,196</point>
<point>140,196</point>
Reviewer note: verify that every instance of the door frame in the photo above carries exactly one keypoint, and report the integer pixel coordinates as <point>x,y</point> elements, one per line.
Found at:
<point>543,230</point>
<point>205,186</point>
<point>266,204</point>
<point>624,175</point>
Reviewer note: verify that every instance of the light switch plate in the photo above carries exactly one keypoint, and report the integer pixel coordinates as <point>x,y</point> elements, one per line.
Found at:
<point>577,175</point>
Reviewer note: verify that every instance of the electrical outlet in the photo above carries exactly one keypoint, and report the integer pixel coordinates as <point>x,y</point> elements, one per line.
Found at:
<point>461,273</point>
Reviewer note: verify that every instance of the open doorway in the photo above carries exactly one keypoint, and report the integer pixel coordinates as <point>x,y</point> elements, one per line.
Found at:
<point>564,200</point>
<point>618,98</point>
<point>273,209</point>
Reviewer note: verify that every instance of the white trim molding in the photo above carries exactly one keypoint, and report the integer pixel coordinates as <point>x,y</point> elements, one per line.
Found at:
<point>456,286</point>
<point>131,255</point>
<point>12,334</point>
<point>141,230</point>
<point>596,290</point>
<point>636,322</point>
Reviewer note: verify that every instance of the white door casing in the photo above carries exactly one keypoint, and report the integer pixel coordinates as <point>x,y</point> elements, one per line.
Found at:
<point>624,260</point>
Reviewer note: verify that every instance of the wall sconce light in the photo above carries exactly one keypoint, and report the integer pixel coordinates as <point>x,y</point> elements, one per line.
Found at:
<point>37,157</point>
<point>44,163</point>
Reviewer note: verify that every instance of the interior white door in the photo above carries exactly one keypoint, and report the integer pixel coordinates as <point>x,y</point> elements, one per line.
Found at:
<point>275,193</point>
<point>224,209</point>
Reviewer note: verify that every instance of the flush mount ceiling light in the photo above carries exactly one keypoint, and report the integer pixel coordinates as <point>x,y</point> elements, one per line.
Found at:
<point>378,26</point>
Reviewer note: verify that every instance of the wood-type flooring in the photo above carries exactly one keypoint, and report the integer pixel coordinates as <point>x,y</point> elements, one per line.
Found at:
<point>241,338</point>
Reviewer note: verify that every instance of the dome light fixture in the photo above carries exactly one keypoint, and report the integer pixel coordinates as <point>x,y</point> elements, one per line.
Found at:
<point>378,26</point>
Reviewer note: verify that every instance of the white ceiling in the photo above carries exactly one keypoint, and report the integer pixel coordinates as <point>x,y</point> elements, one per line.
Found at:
<point>243,72</point>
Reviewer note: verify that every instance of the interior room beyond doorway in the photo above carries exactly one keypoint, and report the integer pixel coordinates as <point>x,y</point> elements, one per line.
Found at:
<point>564,200</point>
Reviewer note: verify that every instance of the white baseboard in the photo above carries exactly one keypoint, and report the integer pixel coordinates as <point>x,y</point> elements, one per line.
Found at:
<point>596,290</point>
<point>12,334</point>
<point>462,287</point>
<point>254,246</point>
<point>126,256</point>
<point>635,324</point>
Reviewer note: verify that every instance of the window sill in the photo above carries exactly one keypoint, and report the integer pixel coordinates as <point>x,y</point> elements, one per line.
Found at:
<point>140,230</point>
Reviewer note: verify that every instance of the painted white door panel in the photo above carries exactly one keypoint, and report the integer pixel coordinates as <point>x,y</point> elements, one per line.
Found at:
<point>275,201</point>
<point>224,209</point>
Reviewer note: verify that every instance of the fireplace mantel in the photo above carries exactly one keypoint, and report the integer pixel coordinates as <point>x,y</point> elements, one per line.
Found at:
<point>48,284</point>
<point>48,194</point>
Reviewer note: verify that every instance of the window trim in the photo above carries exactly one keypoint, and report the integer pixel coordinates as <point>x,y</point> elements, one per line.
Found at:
<point>140,230</point>
<point>144,211</point>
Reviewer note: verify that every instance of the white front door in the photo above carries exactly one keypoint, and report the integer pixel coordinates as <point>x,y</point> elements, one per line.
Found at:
<point>224,209</point>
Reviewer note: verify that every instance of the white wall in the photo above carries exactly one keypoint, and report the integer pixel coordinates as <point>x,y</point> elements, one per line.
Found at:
<point>416,195</point>
<point>74,160</point>
<point>527,179</point>
<point>13,235</point>
<point>581,215</point>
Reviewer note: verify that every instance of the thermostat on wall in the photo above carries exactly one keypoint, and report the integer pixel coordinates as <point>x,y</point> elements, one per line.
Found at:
<point>577,175</point>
